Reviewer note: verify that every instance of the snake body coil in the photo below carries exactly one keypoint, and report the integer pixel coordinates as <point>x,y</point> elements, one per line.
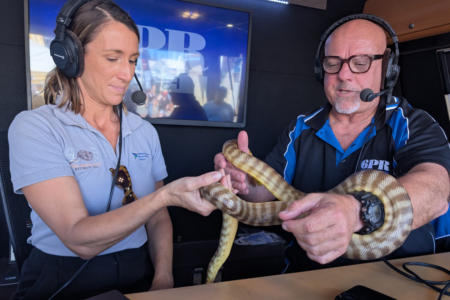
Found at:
<point>381,242</point>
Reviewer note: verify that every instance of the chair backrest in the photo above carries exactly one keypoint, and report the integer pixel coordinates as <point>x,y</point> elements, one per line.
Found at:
<point>17,211</point>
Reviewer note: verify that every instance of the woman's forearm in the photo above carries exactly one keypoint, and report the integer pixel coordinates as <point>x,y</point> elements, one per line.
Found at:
<point>64,212</point>
<point>91,236</point>
<point>160,242</point>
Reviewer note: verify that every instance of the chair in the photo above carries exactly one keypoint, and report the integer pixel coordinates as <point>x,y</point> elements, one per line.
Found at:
<point>17,211</point>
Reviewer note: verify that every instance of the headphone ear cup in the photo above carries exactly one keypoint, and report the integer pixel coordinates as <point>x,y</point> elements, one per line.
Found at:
<point>391,71</point>
<point>76,48</point>
<point>385,67</point>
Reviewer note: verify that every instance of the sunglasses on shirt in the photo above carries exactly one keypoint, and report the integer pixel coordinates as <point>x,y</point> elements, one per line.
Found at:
<point>123,181</point>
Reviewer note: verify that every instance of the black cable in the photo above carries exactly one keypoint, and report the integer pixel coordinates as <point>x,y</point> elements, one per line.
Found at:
<point>430,283</point>
<point>109,202</point>
<point>365,140</point>
<point>71,279</point>
<point>118,162</point>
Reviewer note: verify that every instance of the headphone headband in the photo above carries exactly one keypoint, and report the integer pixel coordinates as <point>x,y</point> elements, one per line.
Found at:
<point>66,49</point>
<point>63,19</point>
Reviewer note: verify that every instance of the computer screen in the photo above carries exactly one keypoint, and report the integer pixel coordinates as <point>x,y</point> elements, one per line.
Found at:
<point>193,63</point>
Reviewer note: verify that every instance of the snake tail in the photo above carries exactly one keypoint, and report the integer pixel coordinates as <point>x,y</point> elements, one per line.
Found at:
<point>227,234</point>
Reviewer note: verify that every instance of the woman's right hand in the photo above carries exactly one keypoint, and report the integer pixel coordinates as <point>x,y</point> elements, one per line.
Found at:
<point>185,192</point>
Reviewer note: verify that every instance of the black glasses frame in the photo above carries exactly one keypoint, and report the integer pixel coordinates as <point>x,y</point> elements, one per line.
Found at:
<point>347,60</point>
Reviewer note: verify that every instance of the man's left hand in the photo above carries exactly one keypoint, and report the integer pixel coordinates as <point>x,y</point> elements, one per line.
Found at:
<point>162,282</point>
<point>326,232</point>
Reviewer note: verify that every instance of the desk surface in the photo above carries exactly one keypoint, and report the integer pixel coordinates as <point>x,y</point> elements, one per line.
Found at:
<point>321,284</point>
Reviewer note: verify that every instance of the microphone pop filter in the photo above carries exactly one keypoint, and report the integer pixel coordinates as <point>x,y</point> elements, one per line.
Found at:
<point>365,95</point>
<point>138,97</point>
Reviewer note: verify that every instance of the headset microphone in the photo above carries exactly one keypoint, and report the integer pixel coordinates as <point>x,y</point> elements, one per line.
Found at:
<point>138,97</point>
<point>367,95</point>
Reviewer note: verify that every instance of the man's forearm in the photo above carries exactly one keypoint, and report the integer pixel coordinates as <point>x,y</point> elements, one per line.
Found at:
<point>428,186</point>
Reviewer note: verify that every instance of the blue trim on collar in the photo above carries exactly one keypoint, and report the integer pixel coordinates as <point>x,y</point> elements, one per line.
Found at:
<point>400,128</point>
<point>290,155</point>
<point>327,135</point>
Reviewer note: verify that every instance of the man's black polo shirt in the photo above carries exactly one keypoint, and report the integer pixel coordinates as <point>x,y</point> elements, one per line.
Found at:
<point>311,159</point>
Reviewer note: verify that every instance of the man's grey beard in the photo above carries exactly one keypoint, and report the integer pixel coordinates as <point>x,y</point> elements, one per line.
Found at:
<point>344,105</point>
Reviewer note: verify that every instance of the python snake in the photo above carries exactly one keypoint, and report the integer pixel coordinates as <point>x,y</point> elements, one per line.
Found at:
<point>381,242</point>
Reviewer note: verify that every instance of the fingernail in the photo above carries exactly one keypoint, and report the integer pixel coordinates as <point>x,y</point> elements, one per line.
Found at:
<point>217,175</point>
<point>284,226</point>
<point>284,211</point>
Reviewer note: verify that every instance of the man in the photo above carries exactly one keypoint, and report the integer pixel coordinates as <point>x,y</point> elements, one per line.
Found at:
<point>186,107</point>
<point>218,109</point>
<point>322,148</point>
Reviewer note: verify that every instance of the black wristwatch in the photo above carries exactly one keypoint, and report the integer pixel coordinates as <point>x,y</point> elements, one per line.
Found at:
<point>372,211</point>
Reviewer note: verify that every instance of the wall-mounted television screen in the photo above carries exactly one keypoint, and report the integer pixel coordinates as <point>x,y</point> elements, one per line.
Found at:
<point>193,62</point>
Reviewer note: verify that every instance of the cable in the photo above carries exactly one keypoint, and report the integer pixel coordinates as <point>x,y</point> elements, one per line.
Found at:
<point>365,140</point>
<point>71,279</point>
<point>109,202</point>
<point>118,162</point>
<point>417,278</point>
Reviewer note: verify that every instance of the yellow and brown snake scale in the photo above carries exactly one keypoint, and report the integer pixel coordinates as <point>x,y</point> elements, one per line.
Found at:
<point>381,242</point>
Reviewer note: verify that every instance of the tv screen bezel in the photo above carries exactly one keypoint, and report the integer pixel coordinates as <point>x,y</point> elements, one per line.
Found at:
<point>161,121</point>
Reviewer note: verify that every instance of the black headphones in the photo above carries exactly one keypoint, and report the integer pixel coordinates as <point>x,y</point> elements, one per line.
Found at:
<point>66,49</point>
<point>392,70</point>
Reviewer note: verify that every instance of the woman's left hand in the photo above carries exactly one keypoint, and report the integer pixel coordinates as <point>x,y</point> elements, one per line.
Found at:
<point>185,192</point>
<point>162,282</point>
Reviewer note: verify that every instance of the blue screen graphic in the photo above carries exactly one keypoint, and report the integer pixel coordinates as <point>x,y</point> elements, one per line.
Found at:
<point>193,59</point>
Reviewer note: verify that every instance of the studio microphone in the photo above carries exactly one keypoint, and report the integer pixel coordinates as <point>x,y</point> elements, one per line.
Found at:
<point>138,97</point>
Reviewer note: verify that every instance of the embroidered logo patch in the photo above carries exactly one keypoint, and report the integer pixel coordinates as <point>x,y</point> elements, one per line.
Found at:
<point>83,159</point>
<point>140,155</point>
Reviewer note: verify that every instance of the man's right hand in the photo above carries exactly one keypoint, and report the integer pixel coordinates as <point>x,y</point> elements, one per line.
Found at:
<point>239,178</point>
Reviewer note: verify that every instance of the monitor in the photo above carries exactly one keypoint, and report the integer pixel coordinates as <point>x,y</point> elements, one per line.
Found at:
<point>193,64</point>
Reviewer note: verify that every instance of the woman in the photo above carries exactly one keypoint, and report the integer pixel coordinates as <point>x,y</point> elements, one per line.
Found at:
<point>70,145</point>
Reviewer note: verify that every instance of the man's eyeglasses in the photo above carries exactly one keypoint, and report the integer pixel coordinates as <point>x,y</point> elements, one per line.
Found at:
<point>357,63</point>
<point>123,181</point>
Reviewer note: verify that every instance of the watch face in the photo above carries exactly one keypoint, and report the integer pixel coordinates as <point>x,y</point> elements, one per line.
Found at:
<point>372,211</point>
<point>375,212</point>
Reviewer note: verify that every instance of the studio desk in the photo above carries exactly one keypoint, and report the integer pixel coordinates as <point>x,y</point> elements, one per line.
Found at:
<point>321,284</point>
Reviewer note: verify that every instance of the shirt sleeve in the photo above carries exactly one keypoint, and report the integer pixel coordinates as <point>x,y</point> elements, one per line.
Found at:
<point>419,140</point>
<point>159,169</point>
<point>283,158</point>
<point>35,152</point>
